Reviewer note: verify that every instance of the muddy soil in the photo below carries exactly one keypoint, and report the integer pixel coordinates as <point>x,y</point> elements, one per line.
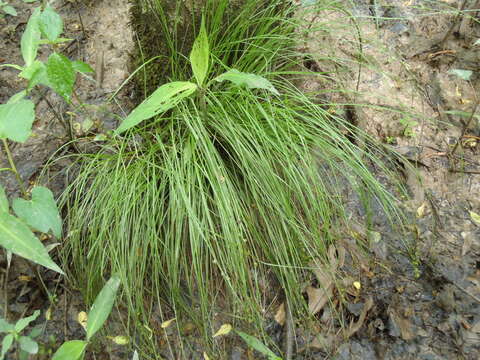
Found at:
<point>416,293</point>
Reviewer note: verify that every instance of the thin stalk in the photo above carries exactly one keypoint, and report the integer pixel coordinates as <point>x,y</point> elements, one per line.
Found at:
<point>13,167</point>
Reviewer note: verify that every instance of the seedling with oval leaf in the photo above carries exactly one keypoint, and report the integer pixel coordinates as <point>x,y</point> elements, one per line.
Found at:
<point>24,343</point>
<point>99,312</point>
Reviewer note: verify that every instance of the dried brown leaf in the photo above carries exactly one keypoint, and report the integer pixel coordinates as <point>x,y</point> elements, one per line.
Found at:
<point>317,298</point>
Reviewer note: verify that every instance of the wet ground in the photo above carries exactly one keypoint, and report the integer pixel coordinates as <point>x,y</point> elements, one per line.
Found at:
<point>407,294</point>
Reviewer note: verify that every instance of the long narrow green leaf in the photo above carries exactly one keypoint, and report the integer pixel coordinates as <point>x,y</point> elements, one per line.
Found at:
<point>16,237</point>
<point>102,306</point>
<point>162,99</point>
<point>30,38</point>
<point>41,212</point>
<point>200,55</point>
<point>70,350</point>
<point>251,81</point>
<point>258,345</point>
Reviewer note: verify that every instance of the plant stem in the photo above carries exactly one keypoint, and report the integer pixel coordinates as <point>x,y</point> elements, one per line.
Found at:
<point>203,104</point>
<point>13,167</point>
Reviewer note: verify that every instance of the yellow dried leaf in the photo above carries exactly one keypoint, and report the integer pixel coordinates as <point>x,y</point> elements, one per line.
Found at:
<point>224,330</point>
<point>475,217</point>
<point>421,210</point>
<point>120,340</point>
<point>280,315</point>
<point>357,285</point>
<point>24,278</point>
<point>205,356</point>
<point>167,323</point>
<point>48,314</point>
<point>82,318</point>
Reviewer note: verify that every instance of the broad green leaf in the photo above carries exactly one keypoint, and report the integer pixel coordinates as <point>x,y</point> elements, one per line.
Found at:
<point>102,306</point>
<point>70,350</point>
<point>10,10</point>
<point>28,345</point>
<point>251,81</point>
<point>16,120</point>
<point>82,67</point>
<point>36,331</point>
<point>16,237</point>
<point>258,345</point>
<point>6,344</point>
<point>31,36</point>
<point>36,73</point>
<point>61,75</point>
<point>17,97</point>
<point>162,99</point>
<point>199,55</point>
<point>462,74</point>
<point>24,322</point>
<point>41,213</point>
<point>5,326</point>
<point>3,201</point>
<point>50,23</point>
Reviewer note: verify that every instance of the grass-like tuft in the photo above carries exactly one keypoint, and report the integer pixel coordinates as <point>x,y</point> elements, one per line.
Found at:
<point>197,209</point>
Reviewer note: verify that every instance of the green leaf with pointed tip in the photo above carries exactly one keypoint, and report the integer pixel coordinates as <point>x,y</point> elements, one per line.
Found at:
<point>251,81</point>
<point>36,73</point>
<point>102,306</point>
<point>31,36</point>
<point>61,75</point>
<point>70,350</point>
<point>200,55</point>
<point>82,67</point>
<point>50,23</point>
<point>24,322</point>
<point>161,100</point>
<point>6,345</point>
<point>16,237</point>
<point>3,200</point>
<point>5,326</point>
<point>36,332</point>
<point>10,10</point>
<point>17,97</point>
<point>41,213</point>
<point>258,345</point>
<point>28,345</point>
<point>16,120</point>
